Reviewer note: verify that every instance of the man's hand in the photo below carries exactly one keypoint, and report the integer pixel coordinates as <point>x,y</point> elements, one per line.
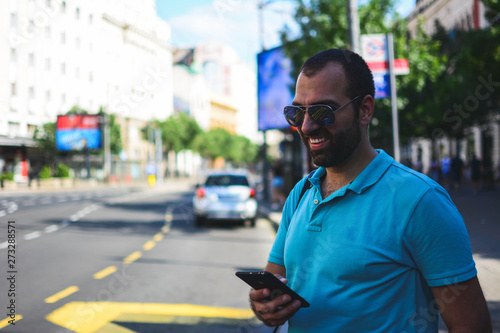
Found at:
<point>273,312</point>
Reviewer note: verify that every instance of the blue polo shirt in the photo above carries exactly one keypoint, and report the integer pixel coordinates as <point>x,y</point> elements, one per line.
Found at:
<point>366,256</point>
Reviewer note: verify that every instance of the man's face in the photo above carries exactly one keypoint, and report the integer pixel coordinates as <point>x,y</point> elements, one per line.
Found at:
<point>329,146</point>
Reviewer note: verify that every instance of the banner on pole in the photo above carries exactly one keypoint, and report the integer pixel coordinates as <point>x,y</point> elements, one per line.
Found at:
<point>374,51</point>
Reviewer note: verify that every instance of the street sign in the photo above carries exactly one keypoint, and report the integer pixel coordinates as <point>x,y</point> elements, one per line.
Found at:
<point>401,67</point>
<point>382,85</point>
<point>378,52</point>
<point>374,51</point>
<point>374,48</point>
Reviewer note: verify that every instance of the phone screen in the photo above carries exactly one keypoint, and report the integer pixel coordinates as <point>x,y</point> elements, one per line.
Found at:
<point>263,279</point>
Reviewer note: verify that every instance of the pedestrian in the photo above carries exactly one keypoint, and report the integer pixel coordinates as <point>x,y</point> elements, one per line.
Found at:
<point>457,169</point>
<point>372,245</point>
<point>475,172</point>
<point>446,170</point>
<point>435,170</point>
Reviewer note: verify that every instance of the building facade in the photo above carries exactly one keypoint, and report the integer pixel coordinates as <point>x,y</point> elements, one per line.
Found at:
<point>110,54</point>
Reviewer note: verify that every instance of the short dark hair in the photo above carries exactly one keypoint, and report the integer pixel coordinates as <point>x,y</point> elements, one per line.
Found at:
<point>359,77</point>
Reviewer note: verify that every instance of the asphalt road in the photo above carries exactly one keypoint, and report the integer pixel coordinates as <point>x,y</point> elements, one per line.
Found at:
<point>122,261</point>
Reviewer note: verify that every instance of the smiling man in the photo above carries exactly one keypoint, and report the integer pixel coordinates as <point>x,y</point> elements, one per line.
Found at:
<point>372,245</point>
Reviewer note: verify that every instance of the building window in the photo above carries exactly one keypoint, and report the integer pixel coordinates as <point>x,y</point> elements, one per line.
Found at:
<point>13,20</point>
<point>31,60</point>
<point>63,98</point>
<point>13,128</point>
<point>77,42</point>
<point>47,64</point>
<point>63,68</point>
<point>63,7</point>
<point>77,13</point>
<point>31,27</point>
<point>77,72</point>
<point>31,92</point>
<point>91,77</point>
<point>13,55</point>
<point>47,32</point>
<point>48,96</point>
<point>48,3</point>
<point>13,89</point>
<point>31,130</point>
<point>91,18</point>
<point>63,38</point>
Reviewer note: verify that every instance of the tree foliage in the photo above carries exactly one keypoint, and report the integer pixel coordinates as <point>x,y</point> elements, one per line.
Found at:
<point>445,69</point>
<point>178,132</point>
<point>219,142</point>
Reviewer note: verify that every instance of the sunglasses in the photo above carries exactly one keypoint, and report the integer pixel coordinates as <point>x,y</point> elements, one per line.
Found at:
<point>321,114</point>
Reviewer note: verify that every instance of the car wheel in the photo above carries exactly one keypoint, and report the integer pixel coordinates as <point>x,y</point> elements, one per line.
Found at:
<point>252,222</point>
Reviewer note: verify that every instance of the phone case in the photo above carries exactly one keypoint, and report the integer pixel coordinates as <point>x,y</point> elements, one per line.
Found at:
<point>263,279</point>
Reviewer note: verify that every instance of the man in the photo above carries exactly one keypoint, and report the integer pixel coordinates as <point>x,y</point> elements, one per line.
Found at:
<point>372,245</point>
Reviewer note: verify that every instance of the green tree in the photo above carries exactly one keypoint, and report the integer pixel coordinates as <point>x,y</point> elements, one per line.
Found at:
<point>323,25</point>
<point>45,138</point>
<point>115,134</point>
<point>178,132</point>
<point>241,150</point>
<point>213,143</point>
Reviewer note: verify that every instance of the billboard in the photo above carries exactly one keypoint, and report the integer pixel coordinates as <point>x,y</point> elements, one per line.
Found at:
<point>78,131</point>
<point>275,85</point>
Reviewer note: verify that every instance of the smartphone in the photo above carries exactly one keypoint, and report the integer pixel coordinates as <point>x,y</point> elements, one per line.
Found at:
<point>263,279</point>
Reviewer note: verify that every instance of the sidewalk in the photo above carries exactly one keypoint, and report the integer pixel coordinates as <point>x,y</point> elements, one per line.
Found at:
<point>180,184</point>
<point>481,213</point>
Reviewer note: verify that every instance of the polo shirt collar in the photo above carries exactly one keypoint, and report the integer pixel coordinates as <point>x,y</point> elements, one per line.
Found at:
<point>369,176</point>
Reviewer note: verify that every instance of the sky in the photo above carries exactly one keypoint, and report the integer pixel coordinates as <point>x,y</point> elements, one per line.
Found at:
<point>235,22</point>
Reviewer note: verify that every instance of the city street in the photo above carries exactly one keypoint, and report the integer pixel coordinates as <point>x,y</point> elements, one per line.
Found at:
<point>119,260</point>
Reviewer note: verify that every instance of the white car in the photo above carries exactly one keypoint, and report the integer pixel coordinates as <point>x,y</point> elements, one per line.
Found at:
<point>225,195</point>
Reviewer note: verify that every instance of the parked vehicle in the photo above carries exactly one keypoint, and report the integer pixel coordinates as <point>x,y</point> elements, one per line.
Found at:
<point>226,196</point>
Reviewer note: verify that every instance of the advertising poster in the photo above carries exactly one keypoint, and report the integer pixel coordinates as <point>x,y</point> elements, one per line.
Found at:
<point>78,131</point>
<point>275,88</point>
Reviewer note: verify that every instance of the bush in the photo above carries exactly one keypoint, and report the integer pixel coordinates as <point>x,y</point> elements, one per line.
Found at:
<point>45,172</point>
<point>7,176</point>
<point>62,171</point>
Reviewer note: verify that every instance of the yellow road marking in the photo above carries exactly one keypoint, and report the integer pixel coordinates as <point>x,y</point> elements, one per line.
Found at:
<point>91,317</point>
<point>60,295</point>
<point>5,322</point>
<point>169,217</point>
<point>165,229</point>
<point>105,272</point>
<point>149,245</point>
<point>158,237</point>
<point>132,257</point>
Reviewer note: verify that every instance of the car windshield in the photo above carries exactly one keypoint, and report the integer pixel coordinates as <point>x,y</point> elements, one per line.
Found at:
<point>226,180</point>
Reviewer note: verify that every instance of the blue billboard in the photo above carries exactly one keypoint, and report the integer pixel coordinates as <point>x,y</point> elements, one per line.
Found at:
<point>275,88</point>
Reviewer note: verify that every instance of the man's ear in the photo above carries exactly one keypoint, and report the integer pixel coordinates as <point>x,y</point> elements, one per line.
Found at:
<point>366,110</point>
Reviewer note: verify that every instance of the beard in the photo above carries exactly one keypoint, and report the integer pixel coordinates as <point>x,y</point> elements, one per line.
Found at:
<point>340,145</point>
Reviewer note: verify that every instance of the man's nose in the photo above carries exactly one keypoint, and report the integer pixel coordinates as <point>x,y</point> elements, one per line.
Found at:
<point>308,125</point>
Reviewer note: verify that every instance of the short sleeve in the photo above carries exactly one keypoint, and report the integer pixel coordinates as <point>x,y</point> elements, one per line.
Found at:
<point>437,240</point>
<point>276,255</point>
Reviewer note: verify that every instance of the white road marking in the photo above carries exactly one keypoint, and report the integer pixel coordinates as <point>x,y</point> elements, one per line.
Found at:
<point>32,235</point>
<point>51,228</point>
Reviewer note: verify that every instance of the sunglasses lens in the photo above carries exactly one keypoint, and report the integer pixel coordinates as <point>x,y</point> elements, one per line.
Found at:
<point>322,115</point>
<point>294,115</point>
